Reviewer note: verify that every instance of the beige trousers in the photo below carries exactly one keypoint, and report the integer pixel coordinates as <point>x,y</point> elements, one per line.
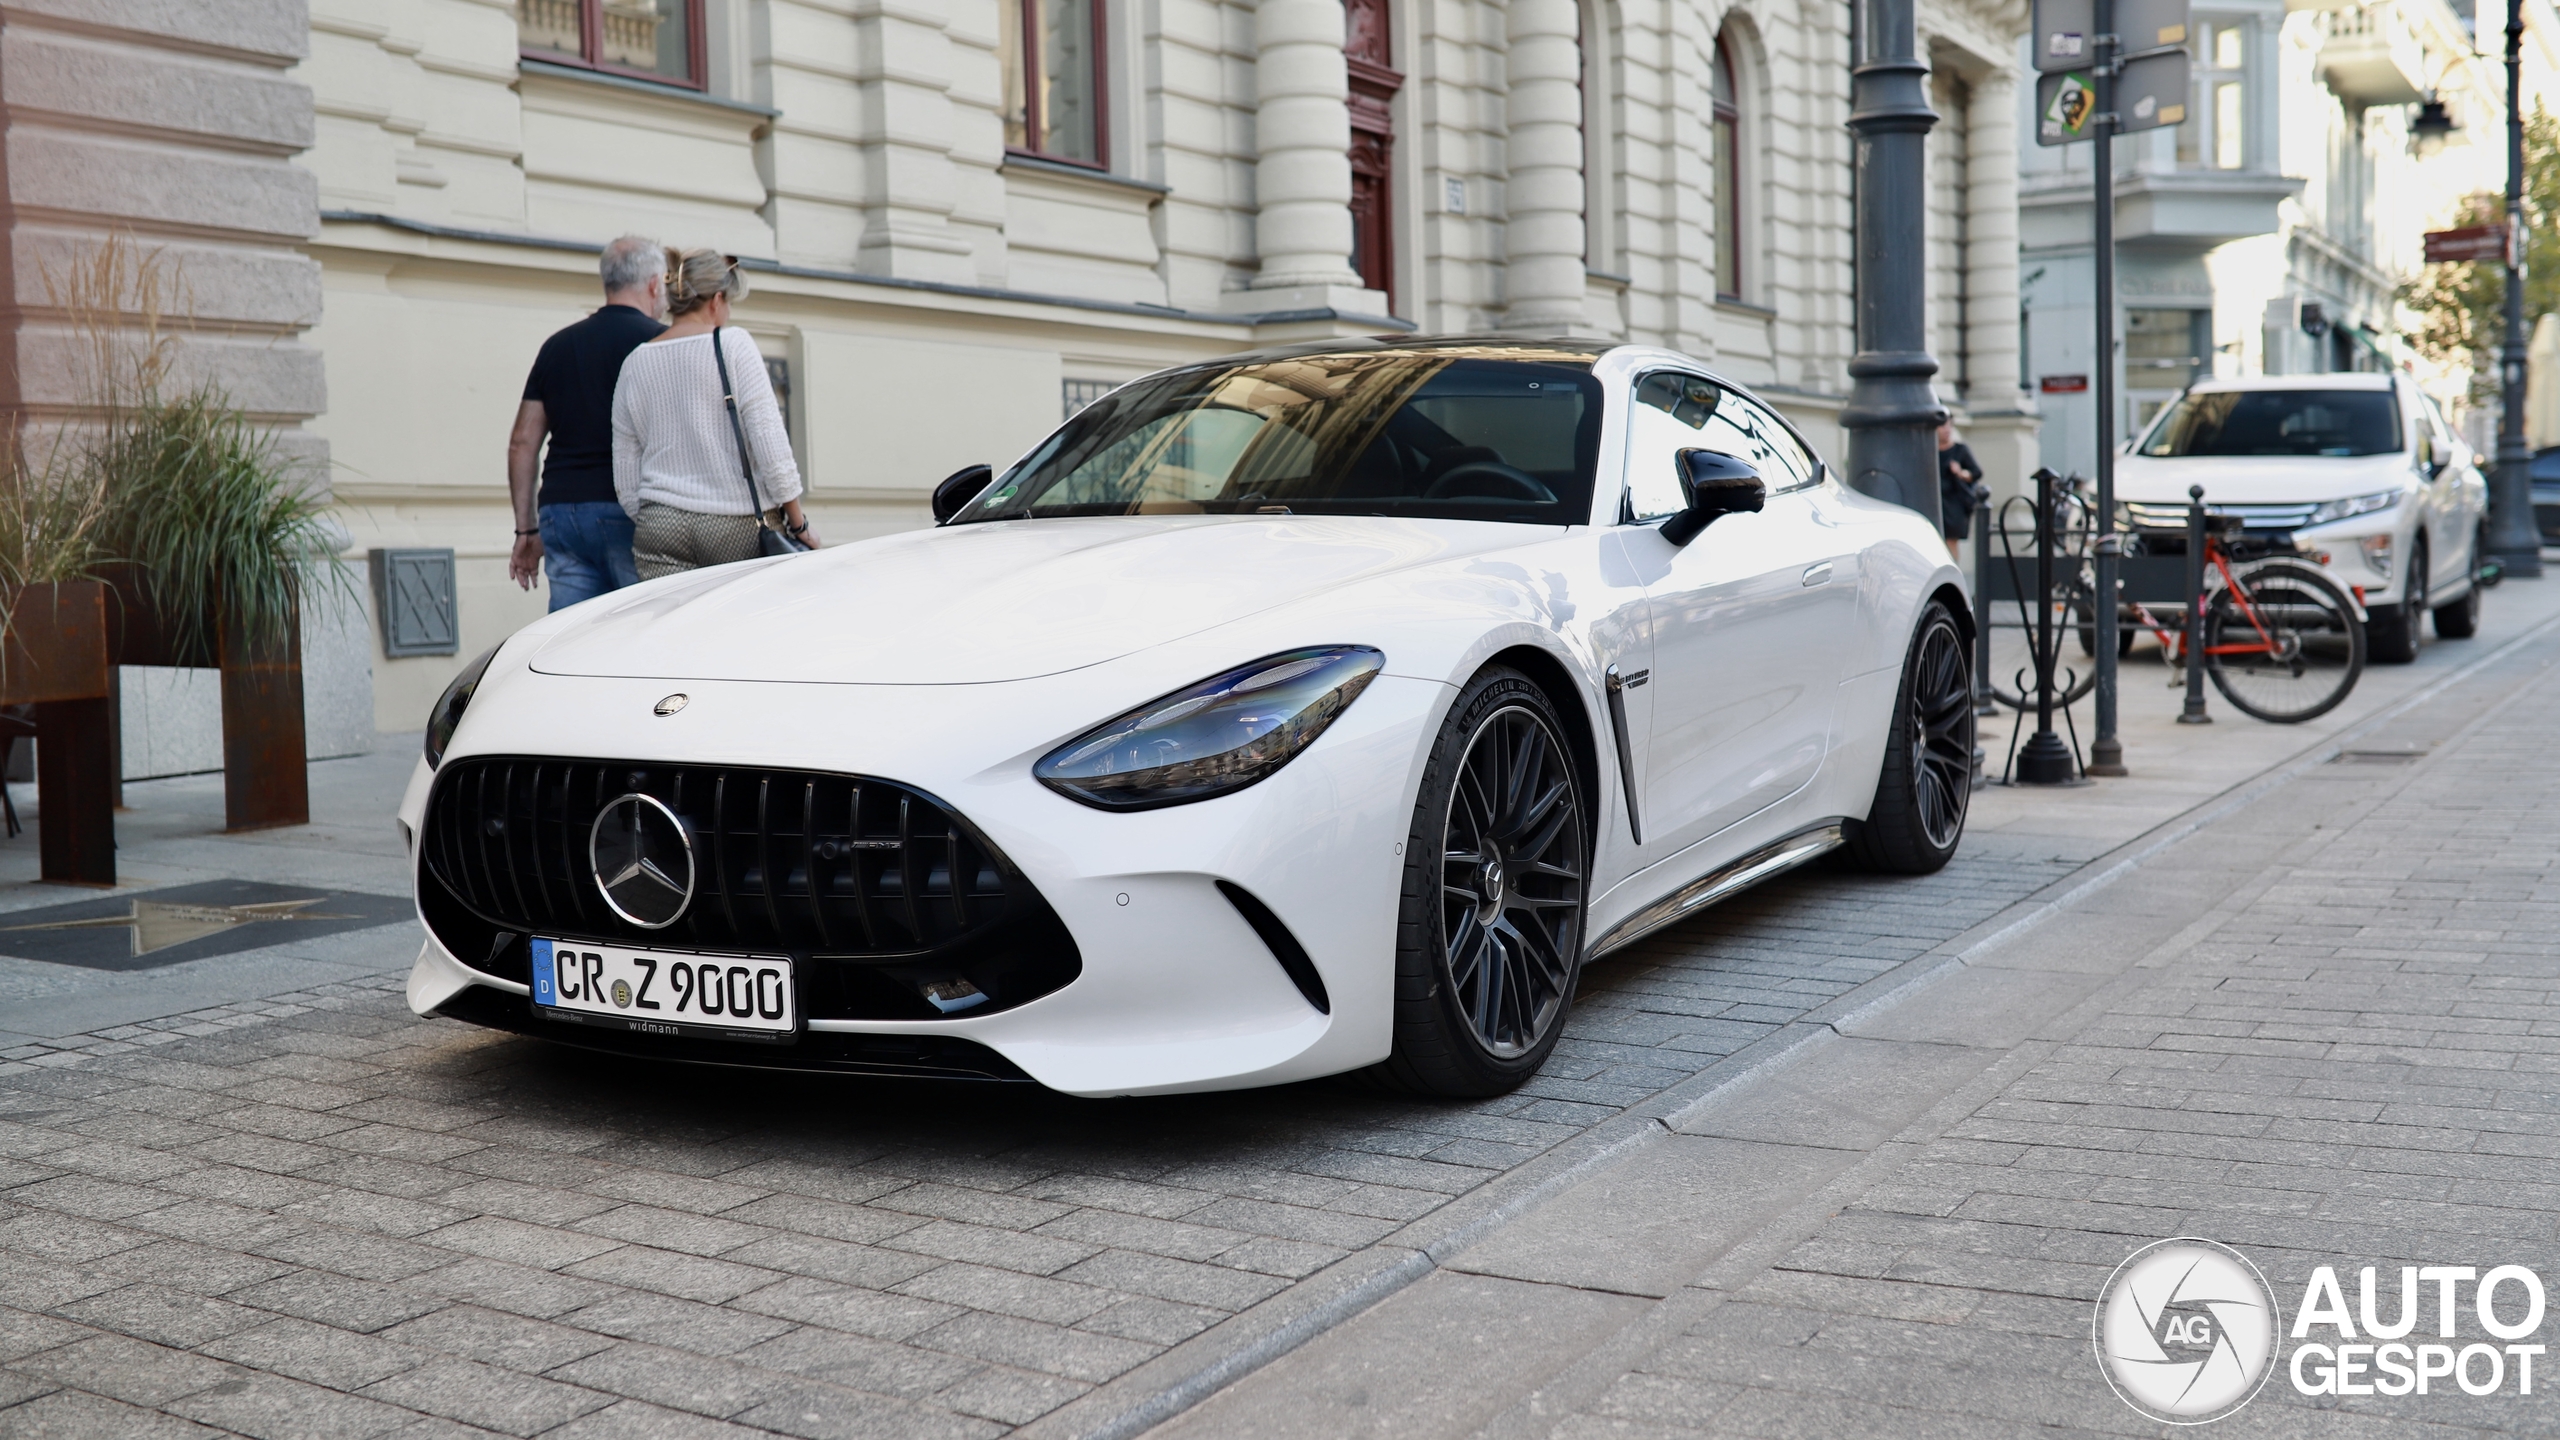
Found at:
<point>669,541</point>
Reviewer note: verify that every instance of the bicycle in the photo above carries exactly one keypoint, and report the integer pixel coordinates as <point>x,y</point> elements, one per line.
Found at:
<point>2282,641</point>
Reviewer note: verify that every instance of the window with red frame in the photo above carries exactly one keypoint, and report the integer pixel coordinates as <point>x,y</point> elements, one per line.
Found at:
<point>647,39</point>
<point>1053,79</point>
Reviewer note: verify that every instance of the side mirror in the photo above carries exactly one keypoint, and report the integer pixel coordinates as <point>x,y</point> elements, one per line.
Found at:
<point>958,489</point>
<point>1716,485</point>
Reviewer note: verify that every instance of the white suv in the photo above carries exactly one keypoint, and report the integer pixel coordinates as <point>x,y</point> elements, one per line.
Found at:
<point>2359,466</point>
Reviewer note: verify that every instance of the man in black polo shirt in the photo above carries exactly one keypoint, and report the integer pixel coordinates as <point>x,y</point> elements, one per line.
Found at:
<point>582,535</point>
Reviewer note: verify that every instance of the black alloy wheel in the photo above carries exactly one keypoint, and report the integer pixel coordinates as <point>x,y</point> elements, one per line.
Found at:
<point>1927,784</point>
<point>2460,619</point>
<point>1511,882</point>
<point>1496,883</point>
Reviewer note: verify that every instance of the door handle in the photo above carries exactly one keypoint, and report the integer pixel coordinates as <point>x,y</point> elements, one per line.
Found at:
<point>1817,574</point>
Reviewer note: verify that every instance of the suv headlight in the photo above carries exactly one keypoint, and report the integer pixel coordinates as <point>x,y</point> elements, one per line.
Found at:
<point>2360,505</point>
<point>443,720</point>
<point>1213,738</point>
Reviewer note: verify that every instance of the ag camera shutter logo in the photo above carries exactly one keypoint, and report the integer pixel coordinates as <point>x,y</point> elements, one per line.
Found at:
<point>2186,1331</point>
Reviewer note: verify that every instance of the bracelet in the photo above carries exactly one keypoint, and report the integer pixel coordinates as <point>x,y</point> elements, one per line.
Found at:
<point>535,531</point>
<point>800,529</point>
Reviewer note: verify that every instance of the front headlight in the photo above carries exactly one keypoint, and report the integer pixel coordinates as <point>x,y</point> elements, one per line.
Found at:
<point>447,716</point>
<point>2360,505</point>
<point>1218,736</point>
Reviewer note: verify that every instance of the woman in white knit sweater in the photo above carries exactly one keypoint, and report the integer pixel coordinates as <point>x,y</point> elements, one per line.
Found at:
<point>675,459</point>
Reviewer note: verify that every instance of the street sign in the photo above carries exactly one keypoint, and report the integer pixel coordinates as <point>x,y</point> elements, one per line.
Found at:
<point>2151,91</point>
<point>2471,242</point>
<point>2066,31</point>
<point>2066,106</point>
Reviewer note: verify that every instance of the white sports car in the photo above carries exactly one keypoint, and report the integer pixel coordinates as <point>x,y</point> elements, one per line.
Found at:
<point>1318,709</point>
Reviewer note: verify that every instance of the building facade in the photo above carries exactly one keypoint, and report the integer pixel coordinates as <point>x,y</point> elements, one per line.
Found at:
<point>965,217</point>
<point>2269,233</point>
<point>175,129</point>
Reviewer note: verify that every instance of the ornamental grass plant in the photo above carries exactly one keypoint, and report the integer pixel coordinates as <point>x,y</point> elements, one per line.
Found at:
<point>167,486</point>
<point>198,502</point>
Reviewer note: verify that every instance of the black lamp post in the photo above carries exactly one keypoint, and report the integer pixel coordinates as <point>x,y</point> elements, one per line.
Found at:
<point>1892,412</point>
<point>2513,537</point>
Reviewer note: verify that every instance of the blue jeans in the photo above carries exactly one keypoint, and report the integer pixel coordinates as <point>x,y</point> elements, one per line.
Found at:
<point>586,550</point>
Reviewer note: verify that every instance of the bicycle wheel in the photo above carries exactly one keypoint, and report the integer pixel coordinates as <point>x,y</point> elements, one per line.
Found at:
<point>2289,649</point>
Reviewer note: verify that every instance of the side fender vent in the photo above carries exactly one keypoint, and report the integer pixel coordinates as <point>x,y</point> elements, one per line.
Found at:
<point>1283,945</point>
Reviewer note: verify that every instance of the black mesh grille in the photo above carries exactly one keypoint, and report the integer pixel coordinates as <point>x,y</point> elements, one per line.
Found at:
<point>816,864</point>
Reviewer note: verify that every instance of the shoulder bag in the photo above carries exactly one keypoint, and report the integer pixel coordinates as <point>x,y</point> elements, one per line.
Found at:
<point>769,541</point>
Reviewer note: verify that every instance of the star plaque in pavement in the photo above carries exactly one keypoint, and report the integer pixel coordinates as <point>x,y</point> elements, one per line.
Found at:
<point>188,922</point>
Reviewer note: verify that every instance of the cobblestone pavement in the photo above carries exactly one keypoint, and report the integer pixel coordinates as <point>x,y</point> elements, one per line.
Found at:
<point>317,1214</point>
<point>2344,1050</point>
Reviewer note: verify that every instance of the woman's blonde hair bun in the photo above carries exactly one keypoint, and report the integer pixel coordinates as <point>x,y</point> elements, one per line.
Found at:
<point>695,276</point>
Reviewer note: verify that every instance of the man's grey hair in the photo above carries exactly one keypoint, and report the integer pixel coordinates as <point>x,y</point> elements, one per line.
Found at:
<point>630,261</point>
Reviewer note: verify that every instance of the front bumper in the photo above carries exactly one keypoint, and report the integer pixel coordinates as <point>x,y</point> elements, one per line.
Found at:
<point>1176,990</point>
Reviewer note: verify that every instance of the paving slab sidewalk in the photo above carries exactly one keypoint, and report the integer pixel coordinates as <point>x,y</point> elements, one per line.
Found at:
<point>2319,1028</point>
<point>394,1223</point>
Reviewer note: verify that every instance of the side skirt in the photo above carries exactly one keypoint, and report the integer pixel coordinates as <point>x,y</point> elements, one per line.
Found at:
<point>1716,884</point>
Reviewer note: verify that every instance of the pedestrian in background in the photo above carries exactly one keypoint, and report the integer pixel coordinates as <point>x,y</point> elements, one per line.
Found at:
<point>1960,488</point>
<point>581,535</point>
<point>677,463</point>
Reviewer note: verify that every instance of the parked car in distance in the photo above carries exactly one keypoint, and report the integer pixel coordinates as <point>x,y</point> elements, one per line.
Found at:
<point>2545,475</point>
<point>2360,467</point>
<point>1314,710</point>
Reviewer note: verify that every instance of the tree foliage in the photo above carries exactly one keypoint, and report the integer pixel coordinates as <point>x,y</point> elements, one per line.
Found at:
<point>2461,309</point>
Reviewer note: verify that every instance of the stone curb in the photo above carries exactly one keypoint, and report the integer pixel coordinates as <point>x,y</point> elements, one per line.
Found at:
<point>1218,1357</point>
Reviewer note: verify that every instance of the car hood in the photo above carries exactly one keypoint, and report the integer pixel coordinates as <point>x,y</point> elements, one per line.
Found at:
<point>2259,479</point>
<point>1003,600</point>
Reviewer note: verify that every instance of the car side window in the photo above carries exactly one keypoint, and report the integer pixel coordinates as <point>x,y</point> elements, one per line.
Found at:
<point>1672,412</point>
<point>1753,434</point>
<point>2439,435</point>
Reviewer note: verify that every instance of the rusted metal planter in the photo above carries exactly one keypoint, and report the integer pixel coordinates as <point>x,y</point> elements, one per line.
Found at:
<point>266,777</point>
<point>57,657</point>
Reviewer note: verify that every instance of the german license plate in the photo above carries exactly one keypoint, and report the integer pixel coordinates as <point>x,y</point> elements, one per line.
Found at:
<point>666,992</point>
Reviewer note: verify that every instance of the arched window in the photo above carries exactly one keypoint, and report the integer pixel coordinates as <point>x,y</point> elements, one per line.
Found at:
<point>1728,108</point>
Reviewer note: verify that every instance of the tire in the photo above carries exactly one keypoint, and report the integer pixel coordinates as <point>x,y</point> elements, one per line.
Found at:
<point>2461,619</point>
<point>2318,649</point>
<point>2397,640</point>
<point>1496,889</point>
<point>1918,816</point>
<point>2084,615</point>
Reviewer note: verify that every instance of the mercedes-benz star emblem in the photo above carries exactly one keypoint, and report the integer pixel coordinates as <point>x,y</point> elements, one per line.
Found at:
<point>643,860</point>
<point>672,704</point>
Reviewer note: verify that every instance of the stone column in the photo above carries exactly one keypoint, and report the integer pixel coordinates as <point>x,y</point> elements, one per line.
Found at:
<point>2000,418</point>
<point>908,182</point>
<point>1991,243</point>
<point>1302,133</point>
<point>1543,240</point>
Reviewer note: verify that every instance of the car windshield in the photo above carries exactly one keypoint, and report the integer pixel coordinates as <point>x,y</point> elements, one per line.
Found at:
<point>2278,422</point>
<point>1489,432</point>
